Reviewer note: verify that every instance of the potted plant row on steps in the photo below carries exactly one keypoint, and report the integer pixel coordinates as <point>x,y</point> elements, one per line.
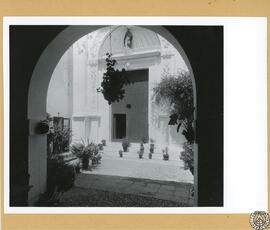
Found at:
<point>165,154</point>
<point>125,144</point>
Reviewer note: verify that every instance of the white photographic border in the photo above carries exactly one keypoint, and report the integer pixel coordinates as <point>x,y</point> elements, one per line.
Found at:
<point>245,111</point>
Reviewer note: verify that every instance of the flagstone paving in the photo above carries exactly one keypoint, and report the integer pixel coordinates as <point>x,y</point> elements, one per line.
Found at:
<point>152,182</point>
<point>164,190</point>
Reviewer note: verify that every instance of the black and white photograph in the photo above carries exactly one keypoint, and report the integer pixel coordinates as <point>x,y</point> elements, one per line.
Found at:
<point>116,116</point>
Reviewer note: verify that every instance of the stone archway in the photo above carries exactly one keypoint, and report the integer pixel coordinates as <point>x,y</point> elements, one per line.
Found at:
<point>38,93</point>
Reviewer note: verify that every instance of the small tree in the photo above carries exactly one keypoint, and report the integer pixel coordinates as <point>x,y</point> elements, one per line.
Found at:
<point>177,93</point>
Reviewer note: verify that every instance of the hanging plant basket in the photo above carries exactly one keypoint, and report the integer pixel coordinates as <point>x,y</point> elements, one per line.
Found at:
<point>114,80</point>
<point>42,127</point>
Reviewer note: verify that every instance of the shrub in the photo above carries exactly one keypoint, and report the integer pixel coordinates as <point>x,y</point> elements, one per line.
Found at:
<point>187,155</point>
<point>176,92</point>
<point>86,151</point>
<point>59,139</point>
<point>60,178</point>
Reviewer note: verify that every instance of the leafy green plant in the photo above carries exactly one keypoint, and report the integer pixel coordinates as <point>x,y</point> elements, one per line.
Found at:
<point>125,144</point>
<point>144,140</point>
<point>152,145</point>
<point>165,154</point>
<point>103,142</point>
<point>60,178</point>
<point>100,146</point>
<point>114,80</point>
<point>59,139</point>
<point>187,155</point>
<point>177,93</point>
<point>141,152</point>
<point>85,151</point>
<point>121,153</point>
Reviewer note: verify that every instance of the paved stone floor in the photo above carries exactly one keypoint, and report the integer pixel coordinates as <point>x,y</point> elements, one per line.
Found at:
<point>152,179</point>
<point>164,190</point>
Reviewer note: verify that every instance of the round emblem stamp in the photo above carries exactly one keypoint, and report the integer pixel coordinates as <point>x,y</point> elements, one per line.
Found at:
<point>259,220</point>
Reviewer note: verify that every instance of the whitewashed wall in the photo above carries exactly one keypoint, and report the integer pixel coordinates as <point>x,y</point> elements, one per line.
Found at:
<point>78,99</point>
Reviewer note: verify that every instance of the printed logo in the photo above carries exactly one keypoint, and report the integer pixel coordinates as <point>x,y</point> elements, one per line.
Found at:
<point>259,220</point>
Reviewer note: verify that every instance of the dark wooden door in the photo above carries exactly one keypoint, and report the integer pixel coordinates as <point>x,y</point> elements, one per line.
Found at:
<point>136,95</point>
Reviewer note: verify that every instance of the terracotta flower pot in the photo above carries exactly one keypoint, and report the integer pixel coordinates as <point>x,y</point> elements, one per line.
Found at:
<point>152,146</point>
<point>120,153</point>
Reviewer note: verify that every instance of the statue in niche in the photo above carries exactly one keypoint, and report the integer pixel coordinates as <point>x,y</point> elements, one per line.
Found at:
<point>128,39</point>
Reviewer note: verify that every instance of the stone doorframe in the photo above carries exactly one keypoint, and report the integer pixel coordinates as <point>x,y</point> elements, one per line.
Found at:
<point>37,97</point>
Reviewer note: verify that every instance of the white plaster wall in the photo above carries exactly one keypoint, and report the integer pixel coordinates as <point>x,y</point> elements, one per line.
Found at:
<point>78,129</point>
<point>104,112</point>
<point>37,166</point>
<point>90,112</point>
<point>59,95</point>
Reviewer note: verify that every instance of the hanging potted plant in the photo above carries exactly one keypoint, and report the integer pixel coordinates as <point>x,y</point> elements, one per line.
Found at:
<point>42,127</point>
<point>114,80</point>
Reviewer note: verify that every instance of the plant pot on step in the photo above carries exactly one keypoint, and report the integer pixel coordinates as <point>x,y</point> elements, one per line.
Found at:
<point>125,144</point>
<point>150,155</point>
<point>140,154</point>
<point>152,146</point>
<point>120,153</point>
<point>100,146</point>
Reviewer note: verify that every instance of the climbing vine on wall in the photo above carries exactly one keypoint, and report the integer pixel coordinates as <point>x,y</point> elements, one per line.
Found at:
<point>113,82</point>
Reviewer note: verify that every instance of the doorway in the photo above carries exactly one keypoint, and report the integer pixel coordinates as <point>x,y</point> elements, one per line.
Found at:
<point>130,115</point>
<point>119,126</point>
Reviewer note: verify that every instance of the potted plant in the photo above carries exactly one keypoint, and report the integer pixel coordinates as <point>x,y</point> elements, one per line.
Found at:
<point>150,155</point>
<point>140,153</point>
<point>187,155</point>
<point>96,155</point>
<point>42,127</point>
<point>125,144</point>
<point>103,142</point>
<point>100,146</point>
<point>144,140</point>
<point>142,147</point>
<point>165,154</point>
<point>84,151</point>
<point>121,153</point>
<point>152,145</point>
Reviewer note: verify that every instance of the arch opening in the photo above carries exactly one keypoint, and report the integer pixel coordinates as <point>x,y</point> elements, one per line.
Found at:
<point>39,86</point>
